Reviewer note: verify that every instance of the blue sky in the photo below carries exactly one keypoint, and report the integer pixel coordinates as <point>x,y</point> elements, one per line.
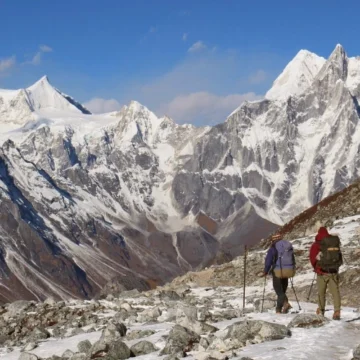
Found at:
<point>193,60</point>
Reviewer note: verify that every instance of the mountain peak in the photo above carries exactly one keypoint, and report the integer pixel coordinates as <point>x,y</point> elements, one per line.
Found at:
<point>44,80</point>
<point>297,76</point>
<point>336,67</point>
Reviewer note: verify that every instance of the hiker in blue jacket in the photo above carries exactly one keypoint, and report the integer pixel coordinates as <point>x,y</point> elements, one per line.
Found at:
<point>280,263</point>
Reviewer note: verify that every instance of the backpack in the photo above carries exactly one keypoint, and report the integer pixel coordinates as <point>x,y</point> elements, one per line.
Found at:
<point>331,257</point>
<point>285,260</point>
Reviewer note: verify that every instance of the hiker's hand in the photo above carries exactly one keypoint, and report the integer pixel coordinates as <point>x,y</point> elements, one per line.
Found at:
<point>262,274</point>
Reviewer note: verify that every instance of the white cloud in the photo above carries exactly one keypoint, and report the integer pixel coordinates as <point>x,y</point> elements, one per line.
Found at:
<point>36,59</point>
<point>196,47</point>
<point>257,78</point>
<point>208,86</point>
<point>99,105</point>
<point>45,48</point>
<point>185,36</point>
<point>204,107</point>
<point>7,64</point>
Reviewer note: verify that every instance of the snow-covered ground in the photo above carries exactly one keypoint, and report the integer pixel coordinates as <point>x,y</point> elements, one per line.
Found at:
<point>334,340</point>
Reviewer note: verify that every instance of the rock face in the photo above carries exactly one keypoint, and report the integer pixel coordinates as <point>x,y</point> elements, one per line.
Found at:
<point>88,198</point>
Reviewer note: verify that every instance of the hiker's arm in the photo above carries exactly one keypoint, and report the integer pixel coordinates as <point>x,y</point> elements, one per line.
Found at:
<point>314,250</point>
<point>269,260</point>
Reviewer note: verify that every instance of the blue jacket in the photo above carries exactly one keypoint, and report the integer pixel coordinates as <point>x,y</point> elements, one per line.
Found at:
<point>270,259</point>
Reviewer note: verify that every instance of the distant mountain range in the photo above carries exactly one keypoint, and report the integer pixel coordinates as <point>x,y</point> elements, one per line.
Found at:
<point>85,198</point>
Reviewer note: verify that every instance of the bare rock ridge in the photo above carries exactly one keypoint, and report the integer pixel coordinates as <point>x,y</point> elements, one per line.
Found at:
<point>128,195</point>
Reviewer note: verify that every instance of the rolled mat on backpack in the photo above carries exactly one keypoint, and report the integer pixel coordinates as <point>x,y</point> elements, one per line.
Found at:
<point>284,273</point>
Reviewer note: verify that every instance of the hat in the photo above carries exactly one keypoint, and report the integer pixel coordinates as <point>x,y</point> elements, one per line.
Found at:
<point>276,237</point>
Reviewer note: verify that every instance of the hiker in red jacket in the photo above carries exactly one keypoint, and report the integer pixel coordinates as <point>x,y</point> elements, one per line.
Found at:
<point>326,259</point>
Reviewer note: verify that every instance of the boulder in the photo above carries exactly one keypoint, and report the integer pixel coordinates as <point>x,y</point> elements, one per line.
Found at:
<point>118,350</point>
<point>356,353</point>
<point>98,349</point>
<point>18,307</point>
<point>78,356</point>
<point>199,327</point>
<point>211,355</point>
<point>180,339</point>
<point>308,321</point>
<point>269,304</point>
<point>84,346</point>
<point>169,295</point>
<point>28,356</point>
<point>138,334</point>
<point>39,333</point>
<point>256,331</point>
<point>68,354</point>
<point>149,315</point>
<point>29,346</point>
<point>142,348</point>
<point>113,332</point>
<point>184,311</point>
<point>50,301</point>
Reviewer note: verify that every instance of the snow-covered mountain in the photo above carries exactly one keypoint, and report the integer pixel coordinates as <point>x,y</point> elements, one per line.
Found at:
<point>19,106</point>
<point>87,197</point>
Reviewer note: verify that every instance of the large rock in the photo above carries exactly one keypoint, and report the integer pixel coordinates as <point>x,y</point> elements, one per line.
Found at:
<point>18,307</point>
<point>84,346</point>
<point>307,321</point>
<point>79,356</point>
<point>269,304</point>
<point>138,334</point>
<point>256,331</point>
<point>98,349</point>
<point>68,354</point>
<point>113,332</point>
<point>199,327</point>
<point>28,356</point>
<point>39,334</point>
<point>142,348</point>
<point>180,339</point>
<point>356,353</point>
<point>149,314</point>
<point>118,350</point>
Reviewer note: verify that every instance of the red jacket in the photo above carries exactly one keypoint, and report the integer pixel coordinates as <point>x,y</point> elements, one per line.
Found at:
<point>315,248</point>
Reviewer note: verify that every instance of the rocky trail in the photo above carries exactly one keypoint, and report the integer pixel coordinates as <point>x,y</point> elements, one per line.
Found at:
<point>203,323</point>
<point>199,315</point>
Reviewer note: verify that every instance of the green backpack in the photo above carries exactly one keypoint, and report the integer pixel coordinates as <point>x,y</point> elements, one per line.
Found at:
<point>331,257</point>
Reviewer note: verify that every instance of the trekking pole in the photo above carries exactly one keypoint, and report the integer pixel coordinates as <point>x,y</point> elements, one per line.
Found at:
<point>263,297</point>
<point>312,284</point>
<point>292,285</point>
<point>245,255</point>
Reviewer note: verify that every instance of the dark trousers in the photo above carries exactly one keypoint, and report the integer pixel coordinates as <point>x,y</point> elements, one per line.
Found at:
<point>280,287</point>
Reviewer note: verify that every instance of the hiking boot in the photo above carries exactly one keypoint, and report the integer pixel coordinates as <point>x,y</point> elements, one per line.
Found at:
<point>336,315</point>
<point>320,312</point>
<point>286,308</point>
<point>278,311</point>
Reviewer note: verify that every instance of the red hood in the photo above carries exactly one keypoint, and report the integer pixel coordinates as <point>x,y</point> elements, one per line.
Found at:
<point>322,233</point>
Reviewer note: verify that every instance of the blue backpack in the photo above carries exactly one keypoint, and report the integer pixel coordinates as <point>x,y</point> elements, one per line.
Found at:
<point>285,255</point>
